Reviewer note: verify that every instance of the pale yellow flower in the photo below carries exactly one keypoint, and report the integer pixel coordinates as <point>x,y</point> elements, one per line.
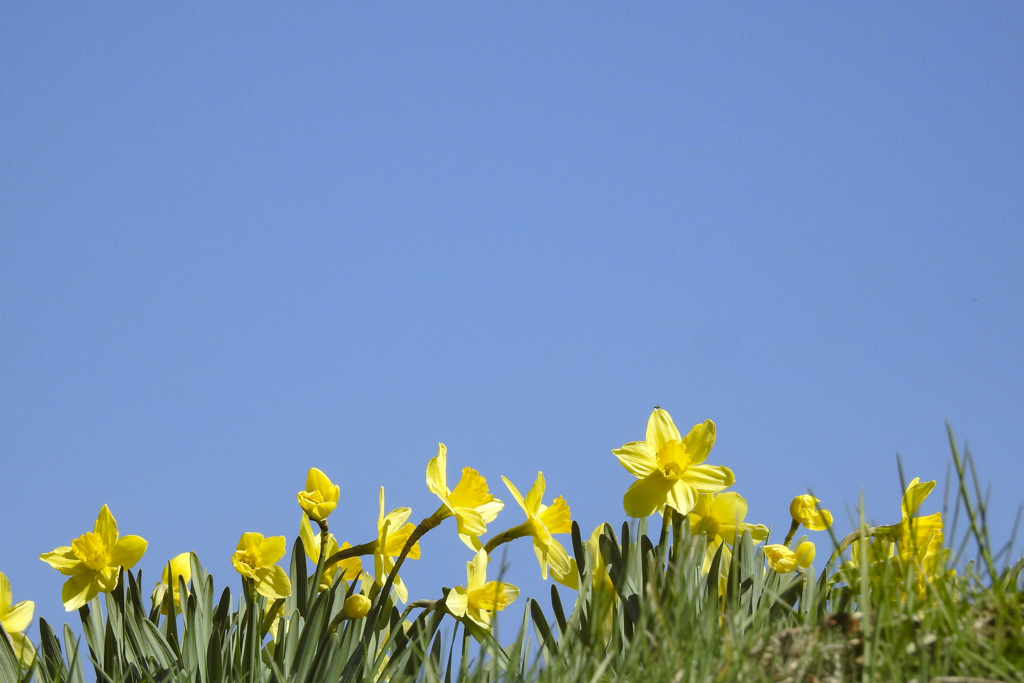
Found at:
<point>320,497</point>
<point>669,467</point>
<point>470,502</point>
<point>255,559</point>
<point>542,521</point>
<point>480,598</point>
<point>392,533</point>
<point>721,518</point>
<point>93,560</point>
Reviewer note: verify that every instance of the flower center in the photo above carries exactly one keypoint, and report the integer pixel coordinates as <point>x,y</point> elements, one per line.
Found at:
<point>250,557</point>
<point>90,550</point>
<point>673,459</point>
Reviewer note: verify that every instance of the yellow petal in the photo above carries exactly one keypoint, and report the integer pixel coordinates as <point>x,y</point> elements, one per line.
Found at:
<point>106,527</point>
<point>457,602</point>
<point>471,490</point>
<point>780,558</point>
<point>681,497</point>
<point>661,429</point>
<point>273,582</point>
<point>638,457</point>
<point>515,493</point>
<point>915,495</point>
<point>272,549</point>
<point>436,476</point>
<point>62,559</point>
<point>647,495</point>
<point>469,521</point>
<point>78,590</point>
<point>699,441</point>
<point>709,478</point>
<point>18,617</point>
<point>249,539</point>
<point>536,493</point>
<point>127,551</point>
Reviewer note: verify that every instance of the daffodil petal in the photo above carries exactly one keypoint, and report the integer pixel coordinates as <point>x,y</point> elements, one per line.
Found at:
<point>647,495</point>
<point>19,616</point>
<point>515,494</point>
<point>536,493</point>
<point>436,475</point>
<point>681,497</point>
<point>661,429</point>
<point>272,549</point>
<point>127,551</point>
<point>699,441</point>
<point>106,527</point>
<point>273,582</point>
<point>709,478</point>
<point>78,590</point>
<point>457,602</point>
<point>638,457</point>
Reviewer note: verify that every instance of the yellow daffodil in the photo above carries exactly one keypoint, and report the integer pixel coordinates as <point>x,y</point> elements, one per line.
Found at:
<point>255,559</point>
<point>93,560</point>
<point>783,560</point>
<point>542,521</point>
<point>470,502</point>
<point>805,510</point>
<point>925,530</point>
<point>392,532</point>
<point>721,518</point>
<point>181,565</point>
<point>320,497</point>
<point>669,467</point>
<point>15,618</point>
<point>351,568</point>
<point>480,598</point>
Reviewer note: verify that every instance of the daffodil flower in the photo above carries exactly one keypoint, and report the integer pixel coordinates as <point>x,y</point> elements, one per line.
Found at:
<point>181,566</point>
<point>669,467</point>
<point>15,618</point>
<point>541,521</point>
<point>470,502</point>
<point>804,510</point>
<point>480,598</point>
<point>320,497</point>
<point>93,560</point>
<point>721,518</point>
<point>351,568</point>
<point>255,559</point>
<point>393,531</point>
<point>783,560</point>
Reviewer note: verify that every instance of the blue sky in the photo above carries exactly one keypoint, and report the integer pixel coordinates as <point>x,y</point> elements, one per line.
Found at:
<point>243,240</point>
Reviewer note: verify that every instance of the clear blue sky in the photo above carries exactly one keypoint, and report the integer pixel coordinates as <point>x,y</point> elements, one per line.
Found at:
<point>243,240</point>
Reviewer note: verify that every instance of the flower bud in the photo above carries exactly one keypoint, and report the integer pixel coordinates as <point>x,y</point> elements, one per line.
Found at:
<point>356,606</point>
<point>805,510</point>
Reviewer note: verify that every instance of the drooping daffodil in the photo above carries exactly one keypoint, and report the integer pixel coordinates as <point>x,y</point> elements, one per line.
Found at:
<point>479,598</point>
<point>351,568</point>
<point>469,502</point>
<point>93,560</point>
<point>256,559</point>
<point>804,510</point>
<point>180,566</point>
<point>669,467</point>
<point>393,530</point>
<point>15,618</point>
<point>542,521</point>
<point>720,516</point>
<point>320,497</point>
